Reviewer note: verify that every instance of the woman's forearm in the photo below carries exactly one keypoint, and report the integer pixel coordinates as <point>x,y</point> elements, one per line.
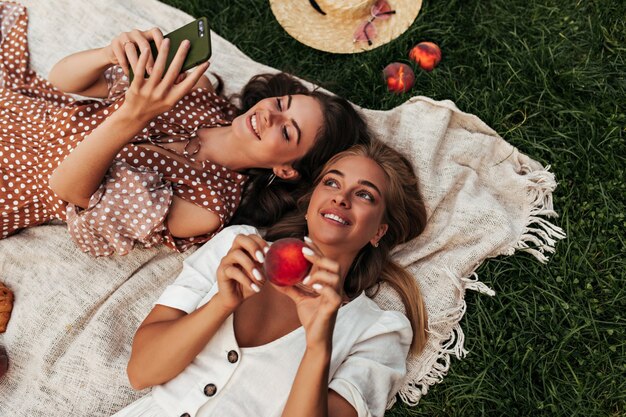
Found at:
<point>162,350</point>
<point>83,170</point>
<point>309,393</point>
<point>82,72</point>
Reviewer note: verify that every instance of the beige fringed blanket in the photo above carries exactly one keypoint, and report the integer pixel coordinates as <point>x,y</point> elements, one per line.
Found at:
<point>74,317</point>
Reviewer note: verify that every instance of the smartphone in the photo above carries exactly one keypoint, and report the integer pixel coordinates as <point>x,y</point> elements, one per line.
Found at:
<point>198,33</point>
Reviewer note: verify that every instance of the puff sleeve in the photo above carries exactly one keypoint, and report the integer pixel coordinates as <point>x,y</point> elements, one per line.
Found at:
<point>198,277</point>
<point>373,371</point>
<point>130,206</point>
<point>117,82</point>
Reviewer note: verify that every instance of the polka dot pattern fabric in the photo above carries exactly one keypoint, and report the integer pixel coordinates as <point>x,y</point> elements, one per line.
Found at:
<point>40,126</point>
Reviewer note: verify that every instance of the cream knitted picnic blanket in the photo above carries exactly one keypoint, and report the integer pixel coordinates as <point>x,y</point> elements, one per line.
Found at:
<point>74,317</point>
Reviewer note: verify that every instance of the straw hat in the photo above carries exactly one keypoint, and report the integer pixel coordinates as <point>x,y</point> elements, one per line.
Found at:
<point>330,25</point>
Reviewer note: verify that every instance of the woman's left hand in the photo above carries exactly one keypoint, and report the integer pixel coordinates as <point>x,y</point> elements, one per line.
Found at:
<point>149,97</point>
<point>317,310</point>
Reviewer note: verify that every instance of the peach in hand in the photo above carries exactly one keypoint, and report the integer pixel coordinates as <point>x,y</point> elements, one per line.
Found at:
<point>426,54</point>
<point>284,262</point>
<point>399,77</point>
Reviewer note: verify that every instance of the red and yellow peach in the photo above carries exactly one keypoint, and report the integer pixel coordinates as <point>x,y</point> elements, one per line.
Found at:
<point>426,54</point>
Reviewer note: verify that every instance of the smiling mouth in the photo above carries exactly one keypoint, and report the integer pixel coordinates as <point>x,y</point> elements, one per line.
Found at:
<point>254,126</point>
<point>335,218</point>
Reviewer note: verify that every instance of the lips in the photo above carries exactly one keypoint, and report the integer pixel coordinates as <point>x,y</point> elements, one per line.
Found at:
<point>253,125</point>
<point>336,217</point>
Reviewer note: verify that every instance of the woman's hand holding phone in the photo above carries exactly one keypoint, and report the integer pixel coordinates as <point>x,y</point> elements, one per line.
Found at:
<point>149,97</point>
<point>121,46</point>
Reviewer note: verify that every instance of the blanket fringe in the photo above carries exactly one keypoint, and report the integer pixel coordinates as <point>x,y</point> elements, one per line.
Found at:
<point>538,238</point>
<point>448,345</point>
<point>539,235</point>
<point>411,393</point>
<point>475,285</point>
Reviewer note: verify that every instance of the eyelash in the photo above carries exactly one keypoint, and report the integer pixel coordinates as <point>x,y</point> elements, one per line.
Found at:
<point>369,197</point>
<point>327,181</point>
<point>280,107</point>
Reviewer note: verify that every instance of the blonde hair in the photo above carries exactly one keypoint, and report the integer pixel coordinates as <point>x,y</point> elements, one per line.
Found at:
<point>405,216</point>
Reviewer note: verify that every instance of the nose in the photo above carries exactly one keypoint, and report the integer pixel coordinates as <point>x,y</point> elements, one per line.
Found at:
<point>341,199</point>
<point>271,117</point>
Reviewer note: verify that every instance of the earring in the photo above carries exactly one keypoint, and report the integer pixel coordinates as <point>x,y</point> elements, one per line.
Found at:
<point>375,245</point>
<point>272,178</point>
<point>306,217</point>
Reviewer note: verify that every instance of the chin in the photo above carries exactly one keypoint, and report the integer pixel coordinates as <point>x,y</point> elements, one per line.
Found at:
<point>239,125</point>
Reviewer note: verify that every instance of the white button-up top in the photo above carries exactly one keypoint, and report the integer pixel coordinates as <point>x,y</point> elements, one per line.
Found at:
<point>368,361</point>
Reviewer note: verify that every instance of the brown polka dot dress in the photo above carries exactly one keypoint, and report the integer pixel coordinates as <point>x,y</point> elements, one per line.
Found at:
<point>40,126</point>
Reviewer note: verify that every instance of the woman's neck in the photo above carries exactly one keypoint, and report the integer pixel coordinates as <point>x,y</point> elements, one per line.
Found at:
<point>343,258</point>
<point>216,145</point>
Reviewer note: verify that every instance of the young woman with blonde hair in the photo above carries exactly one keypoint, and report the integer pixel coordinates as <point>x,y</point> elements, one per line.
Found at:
<point>223,340</point>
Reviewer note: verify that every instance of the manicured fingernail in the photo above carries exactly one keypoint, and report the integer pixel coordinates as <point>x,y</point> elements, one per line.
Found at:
<point>259,256</point>
<point>257,274</point>
<point>308,251</point>
<point>255,287</point>
<point>308,239</point>
<point>317,286</point>
<point>266,249</point>
<point>306,279</point>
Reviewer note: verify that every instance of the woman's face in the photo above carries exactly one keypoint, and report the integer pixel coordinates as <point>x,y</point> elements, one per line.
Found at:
<point>278,131</point>
<point>347,206</point>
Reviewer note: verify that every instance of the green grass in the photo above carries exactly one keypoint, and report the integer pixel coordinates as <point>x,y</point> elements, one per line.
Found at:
<point>549,76</point>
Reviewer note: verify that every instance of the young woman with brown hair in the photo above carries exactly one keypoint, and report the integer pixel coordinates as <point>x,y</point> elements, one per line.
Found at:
<point>162,160</point>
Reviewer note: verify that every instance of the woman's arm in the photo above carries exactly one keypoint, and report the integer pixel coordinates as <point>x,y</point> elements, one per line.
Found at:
<point>309,393</point>
<point>83,72</point>
<point>185,219</point>
<point>80,174</point>
<point>169,339</point>
<point>82,171</point>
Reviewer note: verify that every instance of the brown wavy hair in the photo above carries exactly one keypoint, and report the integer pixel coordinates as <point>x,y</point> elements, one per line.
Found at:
<point>262,204</point>
<point>405,215</point>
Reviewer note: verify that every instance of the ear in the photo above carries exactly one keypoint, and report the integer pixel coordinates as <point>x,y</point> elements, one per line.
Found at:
<point>286,172</point>
<point>382,229</point>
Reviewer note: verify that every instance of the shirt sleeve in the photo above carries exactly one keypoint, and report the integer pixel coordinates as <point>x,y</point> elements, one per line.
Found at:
<point>198,276</point>
<point>117,82</point>
<point>373,371</point>
<point>130,206</point>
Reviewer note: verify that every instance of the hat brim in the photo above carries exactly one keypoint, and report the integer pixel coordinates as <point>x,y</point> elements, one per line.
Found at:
<point>335,33</point>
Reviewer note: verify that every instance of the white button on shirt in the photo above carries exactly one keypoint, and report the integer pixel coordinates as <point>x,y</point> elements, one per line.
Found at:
<point>368,360</point>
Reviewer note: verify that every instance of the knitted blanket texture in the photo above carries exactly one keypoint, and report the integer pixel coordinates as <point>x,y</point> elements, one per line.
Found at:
<point>74,316</point>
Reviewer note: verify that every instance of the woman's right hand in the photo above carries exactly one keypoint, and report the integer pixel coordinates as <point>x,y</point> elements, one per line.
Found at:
<point>119,49</point>
<point>240,275</point>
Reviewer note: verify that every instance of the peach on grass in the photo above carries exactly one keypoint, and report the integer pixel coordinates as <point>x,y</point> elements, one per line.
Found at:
<point>399,77</point>
<point>426,54</point>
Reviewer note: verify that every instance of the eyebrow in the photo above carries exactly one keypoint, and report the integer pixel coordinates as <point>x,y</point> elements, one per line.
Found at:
<point>362,182</point>
<point>294,122</point>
